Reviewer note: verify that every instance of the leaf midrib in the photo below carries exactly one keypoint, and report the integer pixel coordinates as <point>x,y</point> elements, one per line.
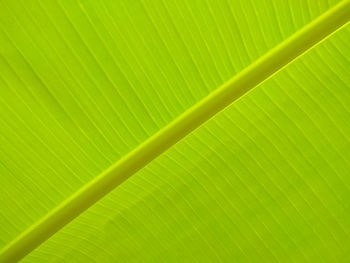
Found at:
<point>255,74</point>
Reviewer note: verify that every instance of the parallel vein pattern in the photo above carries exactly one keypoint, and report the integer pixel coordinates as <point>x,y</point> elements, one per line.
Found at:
<point>258,186</point>
<point>82,85</point>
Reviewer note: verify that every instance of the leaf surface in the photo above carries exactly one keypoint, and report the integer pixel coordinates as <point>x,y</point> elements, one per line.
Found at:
<point>84,83</point>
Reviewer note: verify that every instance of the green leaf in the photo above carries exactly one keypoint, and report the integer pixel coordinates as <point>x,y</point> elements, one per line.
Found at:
<point>93,91</point>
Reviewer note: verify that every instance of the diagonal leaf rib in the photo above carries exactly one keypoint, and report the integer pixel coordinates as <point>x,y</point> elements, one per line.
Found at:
<point>252,76</point>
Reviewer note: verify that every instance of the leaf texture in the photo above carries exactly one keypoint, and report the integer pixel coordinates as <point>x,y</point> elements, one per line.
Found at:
<point>84,83</point>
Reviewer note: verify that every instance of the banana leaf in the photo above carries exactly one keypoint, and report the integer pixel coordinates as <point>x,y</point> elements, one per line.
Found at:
<point>174,131</point>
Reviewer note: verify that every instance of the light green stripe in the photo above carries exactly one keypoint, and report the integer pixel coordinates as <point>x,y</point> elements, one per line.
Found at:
<point>250,77</point>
